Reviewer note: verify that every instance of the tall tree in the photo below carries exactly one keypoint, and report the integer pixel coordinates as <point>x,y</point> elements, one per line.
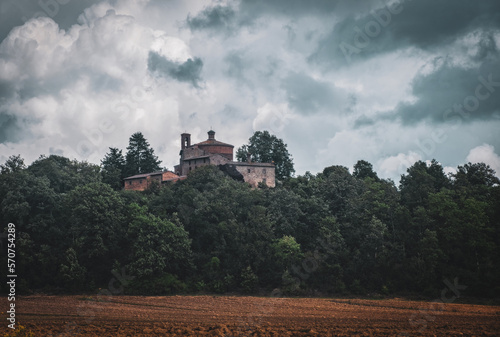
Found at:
<point>140,156</point>
<point>364,169</point>
<point>478,174</point>
<point>265,148</point>
<point>12,165</point>
<point>158,246</point>
<point>420,181</point>
<point>95,216</point>
<point>65,174</point>
<point>338,188</point>
<point>113,165</point>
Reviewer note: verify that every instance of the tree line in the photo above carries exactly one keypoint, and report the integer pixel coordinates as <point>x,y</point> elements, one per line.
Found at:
<point>333,232</point>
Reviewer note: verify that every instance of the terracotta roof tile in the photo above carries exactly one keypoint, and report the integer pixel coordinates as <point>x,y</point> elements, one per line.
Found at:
<point>144,175</point>
<point>213,142</point>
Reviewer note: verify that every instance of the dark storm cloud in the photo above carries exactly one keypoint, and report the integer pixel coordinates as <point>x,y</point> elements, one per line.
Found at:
<point>453,92</point>
<point>189,71</point>
<point>53,150</point>
<point>308,95</point>
<point>424,24</point>
<point>228,19</point>
<point>9,129</point>
<point>52,85</point>
<point>237,65</point>
<point>213,18</point>
<point>363,121</point>
<point>16,12</point>
<point>14,129</point>
<point>296,8</point>
<point>487,48</point>
<point>467,91</point>
<point>104,82</point>
<point>229,115</point>
<point>7,90</point>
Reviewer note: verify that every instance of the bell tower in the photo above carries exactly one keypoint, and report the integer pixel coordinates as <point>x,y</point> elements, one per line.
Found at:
<point>185,140</point>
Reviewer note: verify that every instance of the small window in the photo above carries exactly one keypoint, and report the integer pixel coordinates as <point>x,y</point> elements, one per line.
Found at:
<point>130,182</point>
<point>190,168</point>
<point>140,181</point>
<point>248,170</point>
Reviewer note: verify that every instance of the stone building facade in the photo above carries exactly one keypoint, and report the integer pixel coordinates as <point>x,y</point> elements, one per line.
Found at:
<point>214,152</point>
<point>141,182</point>
<point>209,152</point>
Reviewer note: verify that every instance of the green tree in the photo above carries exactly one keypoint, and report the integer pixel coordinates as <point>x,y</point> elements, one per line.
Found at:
<point>339,189</point>
<point>12,165</point>
<point>70,271</point>
<point>140,157</point>
<point>95,216</point>
<point>265,148</point>
<point>288,255</point>
<point>475,174</point>
<point>113,165</point>
<point>226,220</point>
<point>158,246</point>
<point>287,251</point>
<point>32,205</point>
<point>363,169</point>
<point>468,236</point>
<point>420,182</point>
<point>64,174</point>
<point>249,281</point>
<point>331,256</point>
<point>379,198</point>
<point>283,208</point>
<point>30,202</point>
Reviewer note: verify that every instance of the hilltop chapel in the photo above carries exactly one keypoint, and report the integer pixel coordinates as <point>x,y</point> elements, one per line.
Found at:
<point>208,152</point>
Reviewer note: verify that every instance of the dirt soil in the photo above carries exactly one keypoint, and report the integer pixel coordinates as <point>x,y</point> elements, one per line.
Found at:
<point>246,316</point>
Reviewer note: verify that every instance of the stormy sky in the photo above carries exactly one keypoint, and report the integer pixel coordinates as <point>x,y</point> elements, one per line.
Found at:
<point>390,82</point>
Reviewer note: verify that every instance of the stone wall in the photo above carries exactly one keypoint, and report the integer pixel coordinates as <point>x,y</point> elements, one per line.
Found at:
<point>255,173</point>
<point>144,181</point>
<point>223,150</point>
<point>140,184</point>
<point>191,152</point>
<point>217,159</point>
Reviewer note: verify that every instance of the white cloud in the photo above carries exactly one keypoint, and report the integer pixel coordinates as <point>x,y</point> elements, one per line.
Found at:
<point>485,154</point>
<point>87,88</point>
<point>272,117</point>
<point>393,166</point>
<point>171,47</point>
<point>80,90</point>
<point>449,170</point>
<point>346,148</point>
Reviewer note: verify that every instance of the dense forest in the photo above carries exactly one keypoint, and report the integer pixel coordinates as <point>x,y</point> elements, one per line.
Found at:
<point>334,232</point>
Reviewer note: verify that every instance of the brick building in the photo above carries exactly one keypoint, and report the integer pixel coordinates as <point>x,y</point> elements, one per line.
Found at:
<point>141,182</point>
<point>208,152</point>
<point>214,152</point>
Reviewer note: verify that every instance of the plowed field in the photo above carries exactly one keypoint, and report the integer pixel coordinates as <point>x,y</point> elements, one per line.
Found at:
<point>247,316</point>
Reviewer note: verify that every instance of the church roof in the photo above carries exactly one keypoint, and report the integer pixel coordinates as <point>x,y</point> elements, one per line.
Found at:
<point>213,142</point>
<point>244,163</point>
<point>137,176</point>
